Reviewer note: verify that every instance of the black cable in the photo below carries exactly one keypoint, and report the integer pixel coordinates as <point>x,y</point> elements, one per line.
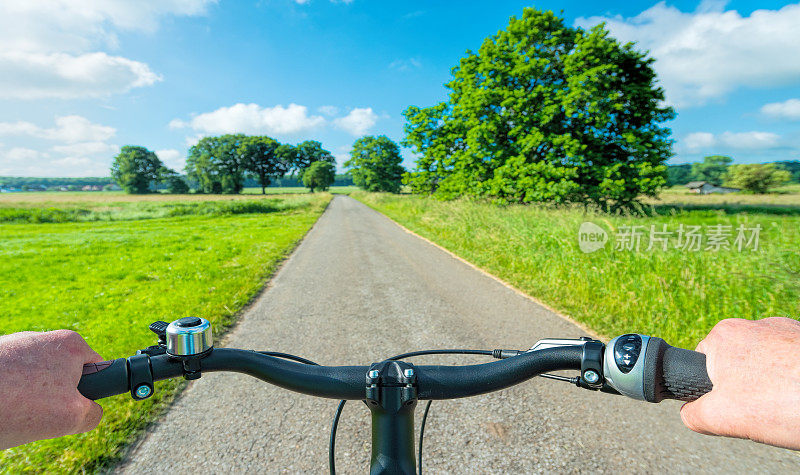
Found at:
<point>287,356</point>
<point>421,434</point>
<point>332,443</point>
<point>440,352</point>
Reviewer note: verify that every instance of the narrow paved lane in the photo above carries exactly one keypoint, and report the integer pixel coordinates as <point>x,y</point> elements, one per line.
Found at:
<point>359,289</point>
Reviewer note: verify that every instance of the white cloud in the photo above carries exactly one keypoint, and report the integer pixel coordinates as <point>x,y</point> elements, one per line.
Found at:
<point>87,148</point>
<point>69,129</point>
<point>405,64</point>
<point>749,140</point>
<point>711,52</point>
<point>60,75</point>
<point>78,147</point>
<point>787,110</point>
<point>699,140</point>
<point>358,121</point>
<point>172,158</point>
<point>753,140</point>
<point>50,47</point>
<point>253,119</point>
<point>20,154</point>
<point>329,110</point>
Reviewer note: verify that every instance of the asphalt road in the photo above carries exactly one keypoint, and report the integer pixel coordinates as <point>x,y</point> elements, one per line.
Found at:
<point>359,289</point>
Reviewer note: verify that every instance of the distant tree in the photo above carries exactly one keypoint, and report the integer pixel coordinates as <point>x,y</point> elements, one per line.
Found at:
<point>792,166</point>
<point>177,185</point>
<point>108,187</point>
<point>135,169</point>
<point>679,174</point>
<point>319,176</point>
<point>260,157</point>
<point>757,178</point>
<point>375,164</point>
<point>712,169</point>
<point>216,164</point>
<point>308,152</point>
<point>288,154</point>
<point>545,112</point>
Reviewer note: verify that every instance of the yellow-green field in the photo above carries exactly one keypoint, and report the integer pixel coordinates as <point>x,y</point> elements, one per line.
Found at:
<point>111,264</point>
<point>675,294</point>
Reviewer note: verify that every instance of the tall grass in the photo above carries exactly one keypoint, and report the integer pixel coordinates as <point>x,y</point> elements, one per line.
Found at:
<point>146,210</point>
<point>109,279</point>
<point>677,295</point>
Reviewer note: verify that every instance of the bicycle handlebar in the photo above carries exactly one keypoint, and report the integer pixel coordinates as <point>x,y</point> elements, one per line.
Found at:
<point>664,372</point>
<point>337,382</point>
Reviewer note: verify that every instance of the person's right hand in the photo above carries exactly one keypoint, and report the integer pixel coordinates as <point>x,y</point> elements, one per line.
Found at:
<point>39,398</point>
<point>755,369</point>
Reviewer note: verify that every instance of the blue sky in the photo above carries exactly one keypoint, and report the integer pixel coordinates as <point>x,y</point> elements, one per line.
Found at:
<point>80,79</point>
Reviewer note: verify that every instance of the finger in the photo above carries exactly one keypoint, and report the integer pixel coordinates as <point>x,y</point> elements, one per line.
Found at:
<point>92,356</point>
<point>701,347</point>
<point>695,416</point>
<point>88,415</point>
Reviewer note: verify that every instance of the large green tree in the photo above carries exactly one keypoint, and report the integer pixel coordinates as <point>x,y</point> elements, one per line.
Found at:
<point>679,174</point>
<point>216,164</point>
<point>712,169</point>
<point>757,177</point>
<point>545,112</point>
<point>319,176</point>
<point>260,158</point>
<point>308,152</point>
<point>375,164</point>
<point>135,169</point>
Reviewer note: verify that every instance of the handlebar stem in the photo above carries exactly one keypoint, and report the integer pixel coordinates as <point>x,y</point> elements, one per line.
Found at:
<point>391,396</point>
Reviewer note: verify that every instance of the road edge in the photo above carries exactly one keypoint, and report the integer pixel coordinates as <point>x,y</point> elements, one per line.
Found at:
<point>220,340</point>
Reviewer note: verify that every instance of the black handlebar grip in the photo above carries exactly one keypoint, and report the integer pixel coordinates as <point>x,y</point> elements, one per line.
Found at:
<point>104,379</point>
<point>674,373</point>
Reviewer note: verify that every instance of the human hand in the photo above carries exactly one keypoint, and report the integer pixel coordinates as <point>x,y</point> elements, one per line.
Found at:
<point>755,370</point>
<point>39,398</point>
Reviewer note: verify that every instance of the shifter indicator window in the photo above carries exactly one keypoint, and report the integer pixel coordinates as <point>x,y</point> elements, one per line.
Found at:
<point>626,352</point>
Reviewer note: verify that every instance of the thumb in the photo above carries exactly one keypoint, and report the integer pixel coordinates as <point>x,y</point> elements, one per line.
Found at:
<point>695,415</point>
<point>90,414</point>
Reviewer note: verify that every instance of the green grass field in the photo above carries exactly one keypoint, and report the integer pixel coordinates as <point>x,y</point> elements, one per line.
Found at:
<point>111,265</point>
<point>675,294</point>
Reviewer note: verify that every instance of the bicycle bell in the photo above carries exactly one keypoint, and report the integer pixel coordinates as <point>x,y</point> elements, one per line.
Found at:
<point>189,336</point>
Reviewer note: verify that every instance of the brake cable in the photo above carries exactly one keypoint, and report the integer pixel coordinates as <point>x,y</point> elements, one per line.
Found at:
<point>340,407</point>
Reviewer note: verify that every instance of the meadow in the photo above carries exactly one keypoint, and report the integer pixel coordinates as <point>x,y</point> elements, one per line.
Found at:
<point>107,265</point>
<point>675,293</point>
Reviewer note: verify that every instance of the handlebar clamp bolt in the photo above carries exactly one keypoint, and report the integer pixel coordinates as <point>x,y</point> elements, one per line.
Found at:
<point>143,391</point>
<point>591,377</point>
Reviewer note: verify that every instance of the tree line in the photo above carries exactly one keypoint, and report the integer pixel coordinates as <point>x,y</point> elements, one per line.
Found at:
<point>222,164</point>
<point>719,170</point>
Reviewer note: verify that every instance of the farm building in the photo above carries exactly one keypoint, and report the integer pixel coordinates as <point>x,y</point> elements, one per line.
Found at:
<point>706,188</point>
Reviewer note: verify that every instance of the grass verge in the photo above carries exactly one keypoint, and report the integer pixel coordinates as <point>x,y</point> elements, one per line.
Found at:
<point>109,279</point>
<point>675,294</point>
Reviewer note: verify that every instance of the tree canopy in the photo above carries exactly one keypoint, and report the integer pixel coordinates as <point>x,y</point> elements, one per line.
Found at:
<point>757,177</point>
<point>307,152</point>
<point>135,168</point>
<point>545,112</point>
<point>375,164</point>
<point>216,164</point>
<point>712,169</point>
<point>260,158</point>
<point>319,176</point>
